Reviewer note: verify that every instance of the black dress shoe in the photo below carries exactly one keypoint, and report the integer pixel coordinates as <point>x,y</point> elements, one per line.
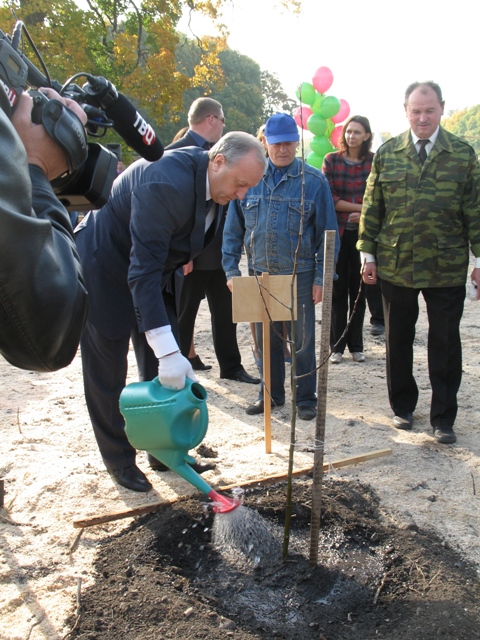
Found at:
<point>377,329</point>
<point>444,435</point>
<point>198,365</point>
<point>306,413</point>
<point>403,421</point>
<point>242,376</point>
<point>258,407</point>
<point>131,478</point>
<point>199,467</point>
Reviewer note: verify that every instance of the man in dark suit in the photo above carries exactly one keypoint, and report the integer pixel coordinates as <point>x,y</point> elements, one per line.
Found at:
<point>156,220</point>
<point>204,276</point>
<point>205,125</point>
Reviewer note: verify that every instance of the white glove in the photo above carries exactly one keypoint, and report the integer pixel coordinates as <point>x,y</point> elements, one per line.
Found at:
<point>173,369</point>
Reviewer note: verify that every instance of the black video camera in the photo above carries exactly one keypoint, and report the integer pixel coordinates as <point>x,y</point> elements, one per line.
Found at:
<point>92,167</point>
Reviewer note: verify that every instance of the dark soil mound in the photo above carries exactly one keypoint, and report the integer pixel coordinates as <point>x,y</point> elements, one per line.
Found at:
<point>163,577</point>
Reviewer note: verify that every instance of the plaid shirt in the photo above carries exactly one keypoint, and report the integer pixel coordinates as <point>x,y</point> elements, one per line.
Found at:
<point>347,181</point>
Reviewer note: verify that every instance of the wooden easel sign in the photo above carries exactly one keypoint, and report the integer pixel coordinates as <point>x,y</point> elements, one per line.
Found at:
<point>260,300</point>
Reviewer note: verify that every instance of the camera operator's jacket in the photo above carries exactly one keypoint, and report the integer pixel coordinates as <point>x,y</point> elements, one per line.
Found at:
<point>419,221</point>
<point>43,300</point>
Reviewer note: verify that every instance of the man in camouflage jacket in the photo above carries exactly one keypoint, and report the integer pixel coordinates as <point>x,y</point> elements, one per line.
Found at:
<point>419,217</point>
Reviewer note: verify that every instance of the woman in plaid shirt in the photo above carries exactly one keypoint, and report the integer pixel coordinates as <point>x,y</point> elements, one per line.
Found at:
<point>347,171</point>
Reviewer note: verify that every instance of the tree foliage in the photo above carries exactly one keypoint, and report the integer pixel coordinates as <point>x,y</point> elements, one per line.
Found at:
<point>135,45</point>
<point>466,124</point>
<point>274,97</point>
<point>249,96</point>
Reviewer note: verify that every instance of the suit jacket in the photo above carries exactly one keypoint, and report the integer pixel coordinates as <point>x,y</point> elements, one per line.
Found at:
<point>153,222</point>
<point>185,141</point>
<point>419,220</point>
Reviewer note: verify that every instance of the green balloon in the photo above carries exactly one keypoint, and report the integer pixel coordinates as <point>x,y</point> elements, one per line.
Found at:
<point>314,160</point>
<point>330,106</point>
<point>306,93</point>
<point>317,102</point>
<point>316,124</point>
<point>330,128</point>
<point>320,145</point>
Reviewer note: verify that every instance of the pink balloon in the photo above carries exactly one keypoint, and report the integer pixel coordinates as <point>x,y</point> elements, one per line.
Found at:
<point>323,79</point>
<point>343,113</point>
<point>301,115</point>
<point>335,137</point>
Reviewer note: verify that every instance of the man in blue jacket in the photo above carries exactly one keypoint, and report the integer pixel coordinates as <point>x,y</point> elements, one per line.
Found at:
<point>156,220</point>
<point>267,221</point>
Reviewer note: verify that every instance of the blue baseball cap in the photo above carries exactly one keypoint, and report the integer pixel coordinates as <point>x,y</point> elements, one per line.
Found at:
<point>281,128</point>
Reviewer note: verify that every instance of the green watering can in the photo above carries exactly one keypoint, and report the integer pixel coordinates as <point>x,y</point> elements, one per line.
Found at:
<point>167,424</point>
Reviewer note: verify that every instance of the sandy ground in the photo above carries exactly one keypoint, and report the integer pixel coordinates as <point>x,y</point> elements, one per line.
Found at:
<point>54,475</point>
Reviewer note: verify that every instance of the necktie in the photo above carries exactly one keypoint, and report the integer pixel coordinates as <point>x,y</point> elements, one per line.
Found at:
<point>209,225</point>
<point>422,154</point>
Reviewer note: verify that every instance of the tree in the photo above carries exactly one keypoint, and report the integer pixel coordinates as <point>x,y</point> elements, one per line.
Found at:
<point>274,97</point>
<point>466,124</point>
<point>248,95</point>
<point>130,42</point>
<point>133,43</point>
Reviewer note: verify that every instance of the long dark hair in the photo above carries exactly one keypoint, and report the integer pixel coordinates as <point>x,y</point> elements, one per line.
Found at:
<point>366,144</point>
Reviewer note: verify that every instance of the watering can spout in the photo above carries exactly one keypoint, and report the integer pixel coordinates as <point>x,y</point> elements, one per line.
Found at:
<point>222,504</point>
<point>179,461</point>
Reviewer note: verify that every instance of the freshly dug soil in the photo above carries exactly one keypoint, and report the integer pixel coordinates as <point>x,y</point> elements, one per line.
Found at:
<point>164,577</point>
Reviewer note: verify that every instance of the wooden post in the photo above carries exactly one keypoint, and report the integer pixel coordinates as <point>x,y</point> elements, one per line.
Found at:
<point>267,378</point>
<point>253,303</point>
<point>328,271</point>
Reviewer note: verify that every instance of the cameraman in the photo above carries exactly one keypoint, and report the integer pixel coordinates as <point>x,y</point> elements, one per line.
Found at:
<point>43,299</point>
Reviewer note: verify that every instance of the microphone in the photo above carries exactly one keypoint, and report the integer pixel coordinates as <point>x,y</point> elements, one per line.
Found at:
<point>136,132</point>
<point>127,122</point>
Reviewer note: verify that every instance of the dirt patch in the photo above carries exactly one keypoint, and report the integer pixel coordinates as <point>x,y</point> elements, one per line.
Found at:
<point>163,578</point>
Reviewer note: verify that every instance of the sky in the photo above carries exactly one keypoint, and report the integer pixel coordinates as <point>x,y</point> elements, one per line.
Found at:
<point>374,49</point>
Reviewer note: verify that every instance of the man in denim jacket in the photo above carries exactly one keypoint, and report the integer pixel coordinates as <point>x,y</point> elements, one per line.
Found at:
<point>268,223</point>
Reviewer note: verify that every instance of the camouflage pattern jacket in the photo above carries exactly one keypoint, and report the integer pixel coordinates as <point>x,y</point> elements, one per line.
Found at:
<point>419,221</point>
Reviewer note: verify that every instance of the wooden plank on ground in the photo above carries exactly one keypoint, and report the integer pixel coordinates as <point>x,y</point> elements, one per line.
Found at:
<point>91,521</point>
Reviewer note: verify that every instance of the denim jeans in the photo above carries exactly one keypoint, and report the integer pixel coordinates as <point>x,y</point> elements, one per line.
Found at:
<point>304,347</point>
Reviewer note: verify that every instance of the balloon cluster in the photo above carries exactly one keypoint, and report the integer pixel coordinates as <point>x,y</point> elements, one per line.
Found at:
<point>321,115</point>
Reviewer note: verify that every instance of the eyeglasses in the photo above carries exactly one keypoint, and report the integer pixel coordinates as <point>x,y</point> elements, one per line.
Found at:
<point>218,118</point>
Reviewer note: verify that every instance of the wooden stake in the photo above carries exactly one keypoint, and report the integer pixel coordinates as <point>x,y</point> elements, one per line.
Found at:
<point>267,385</point>
<point>91,521</point>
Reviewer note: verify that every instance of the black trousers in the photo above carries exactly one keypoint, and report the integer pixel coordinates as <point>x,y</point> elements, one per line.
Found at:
<point>373,293</point>
<point>105,366</point>
<point>345,292</point>
<point>444,311</point>
<point>212,284</point>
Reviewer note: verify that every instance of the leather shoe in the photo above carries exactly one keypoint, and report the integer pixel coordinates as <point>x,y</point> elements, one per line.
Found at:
<point>198,365</point>
<point>258,407</point>
<point>131,478</point>
<point>444,435</point>
<point>199,467</point>
<point>377,329</point>
<point>403,421</point>
<point>306,413</point>
<point>242,376</point>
